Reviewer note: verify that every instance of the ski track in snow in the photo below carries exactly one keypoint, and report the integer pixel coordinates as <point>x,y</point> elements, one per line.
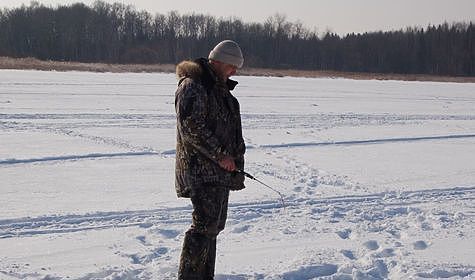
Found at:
<point>147,151</point>
<point>75,157</point>
<point>390,203</point>
<point>250,121</point>
<point>369,141</point>
<point>69,123</point>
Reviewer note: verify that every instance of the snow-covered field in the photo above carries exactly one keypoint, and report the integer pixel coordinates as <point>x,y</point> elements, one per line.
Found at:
<point>378,178</point>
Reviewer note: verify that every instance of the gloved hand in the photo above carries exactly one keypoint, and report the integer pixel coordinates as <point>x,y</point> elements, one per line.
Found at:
<point>237,181</point>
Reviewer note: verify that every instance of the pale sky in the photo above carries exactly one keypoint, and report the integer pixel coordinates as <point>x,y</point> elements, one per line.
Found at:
<point>339,16</point>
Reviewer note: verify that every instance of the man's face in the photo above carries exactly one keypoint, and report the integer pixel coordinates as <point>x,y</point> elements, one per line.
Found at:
<point>229,70</point>
<point>224,70</point>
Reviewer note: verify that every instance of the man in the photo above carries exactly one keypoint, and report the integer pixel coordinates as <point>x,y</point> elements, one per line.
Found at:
<point>210,149</point>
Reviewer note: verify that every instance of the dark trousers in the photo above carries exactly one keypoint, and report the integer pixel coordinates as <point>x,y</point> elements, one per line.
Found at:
<point>198,256</point>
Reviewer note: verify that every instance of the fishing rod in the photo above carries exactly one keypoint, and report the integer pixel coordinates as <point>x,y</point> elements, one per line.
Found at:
<point>208,156</point>
<point>262,183</point>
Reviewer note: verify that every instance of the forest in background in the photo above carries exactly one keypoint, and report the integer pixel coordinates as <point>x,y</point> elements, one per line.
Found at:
<point>118,33</point>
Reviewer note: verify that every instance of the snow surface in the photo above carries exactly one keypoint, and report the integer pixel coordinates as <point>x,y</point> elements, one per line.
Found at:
<point>378,179</point>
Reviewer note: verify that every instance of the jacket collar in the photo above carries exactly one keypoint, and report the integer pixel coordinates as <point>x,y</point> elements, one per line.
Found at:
<point>209,77</point>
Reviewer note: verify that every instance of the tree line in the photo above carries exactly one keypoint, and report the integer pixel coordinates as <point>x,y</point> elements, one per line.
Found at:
<point>118,33</point>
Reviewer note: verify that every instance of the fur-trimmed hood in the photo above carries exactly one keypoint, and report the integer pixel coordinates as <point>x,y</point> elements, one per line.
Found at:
<point>188,69</point>
<point>200,70</point>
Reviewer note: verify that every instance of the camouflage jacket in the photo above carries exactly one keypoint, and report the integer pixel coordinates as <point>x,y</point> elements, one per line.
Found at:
<point>208,128</point>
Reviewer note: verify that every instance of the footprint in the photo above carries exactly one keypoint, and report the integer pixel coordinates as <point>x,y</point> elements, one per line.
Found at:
<point>440,273</point>
<point>344,234</point>
<point>146,225</point>
<point>426,226</point>
<point>394,232</point>
<point>349,254</point>
<point>313,181</point>
<point>241,229</point>
<point>386,253</point>
<point>311,272</point>
<point>420,245</point>
<point>168,233</point>
<point>142,240</point>
<point>371,245</point>
<point>397,244</point>
<point>145,259</point>
<point>380,270</point>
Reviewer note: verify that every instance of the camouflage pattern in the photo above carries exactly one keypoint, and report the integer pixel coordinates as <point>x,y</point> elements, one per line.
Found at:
<point>208,128</point>
<point>198,255</point>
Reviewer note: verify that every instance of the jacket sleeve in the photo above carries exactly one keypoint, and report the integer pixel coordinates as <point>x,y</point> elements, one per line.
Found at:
<point>192,110</point>
<point>241,146</point>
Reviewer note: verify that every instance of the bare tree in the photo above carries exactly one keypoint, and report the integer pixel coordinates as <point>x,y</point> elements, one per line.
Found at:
<point>119,33</point>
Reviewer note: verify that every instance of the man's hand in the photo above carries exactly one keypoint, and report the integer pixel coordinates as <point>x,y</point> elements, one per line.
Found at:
<point>227,163</point>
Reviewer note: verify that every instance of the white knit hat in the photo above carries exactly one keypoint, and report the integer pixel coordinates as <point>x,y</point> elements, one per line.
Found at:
<point>228,52</point>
